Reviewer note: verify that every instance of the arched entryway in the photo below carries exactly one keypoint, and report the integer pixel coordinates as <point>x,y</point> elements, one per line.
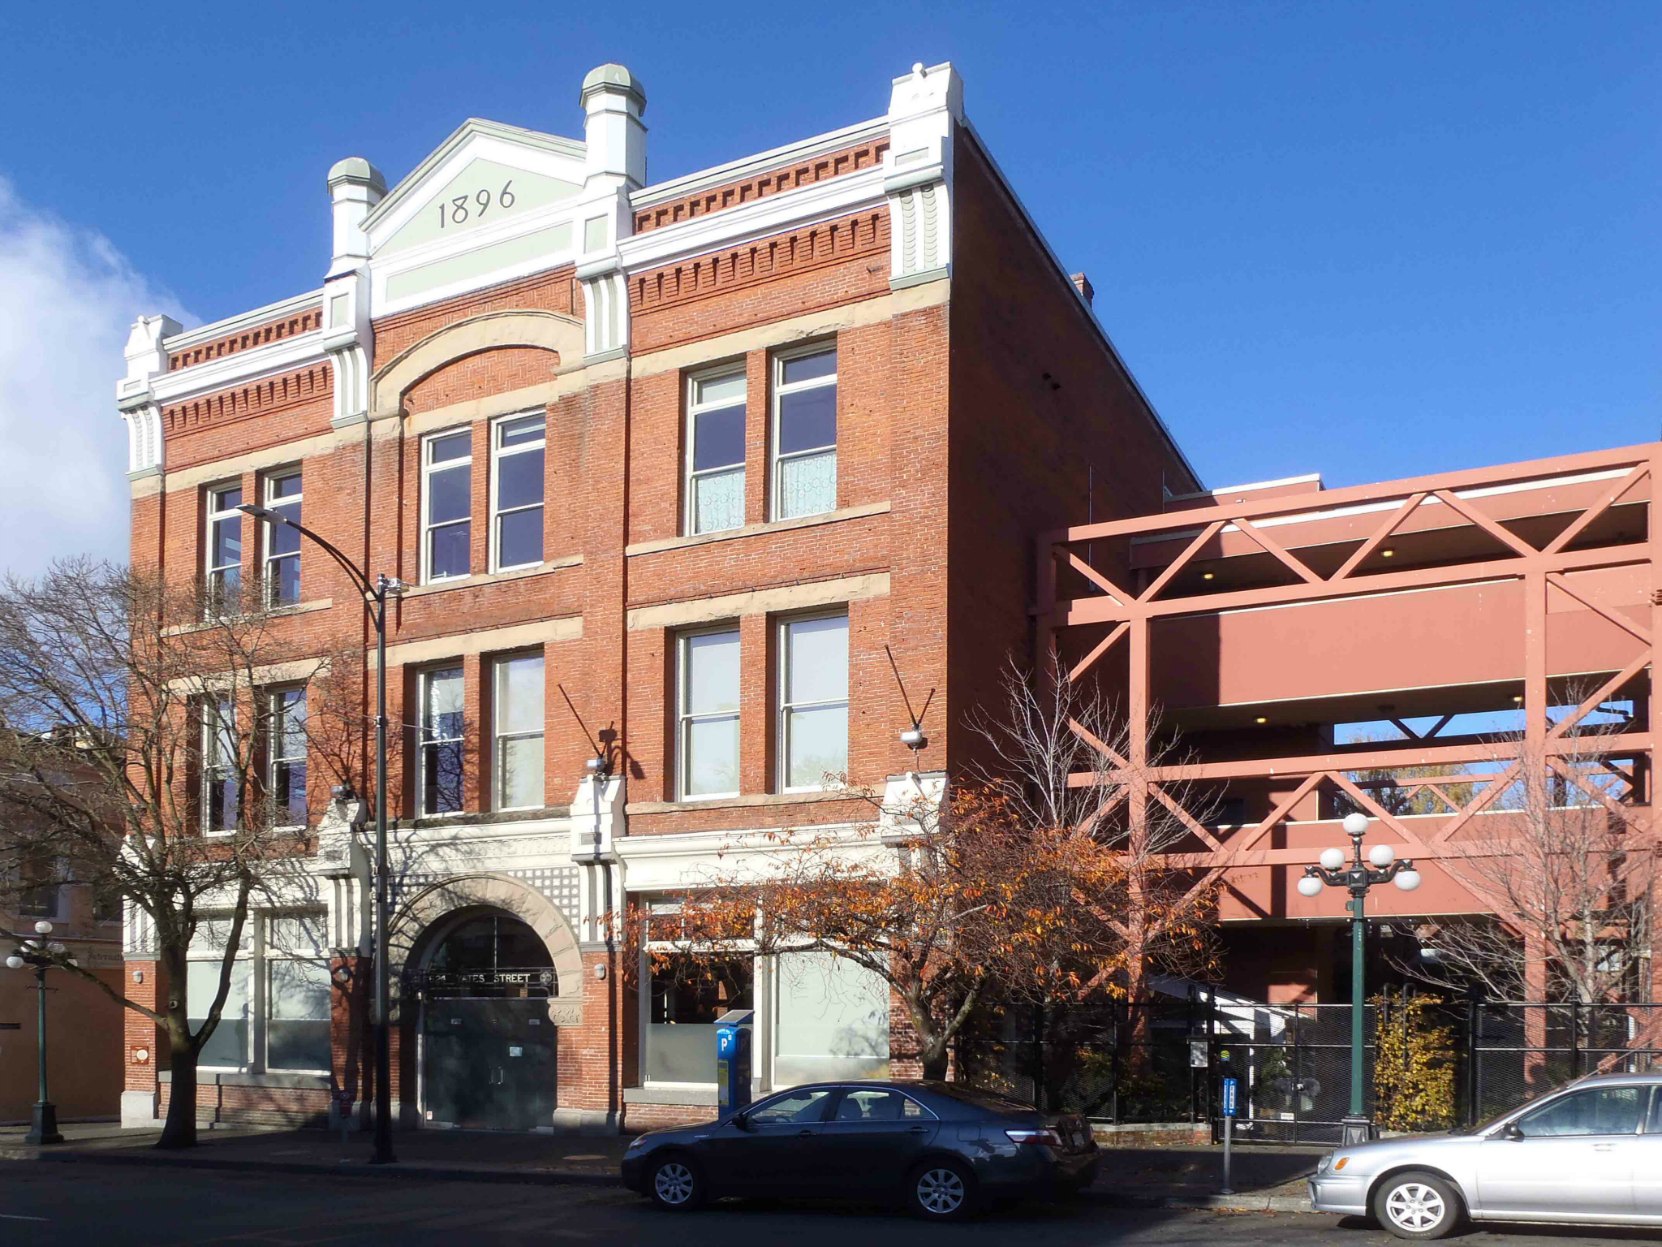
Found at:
<point>487,1041</point>
<point>485,969</point>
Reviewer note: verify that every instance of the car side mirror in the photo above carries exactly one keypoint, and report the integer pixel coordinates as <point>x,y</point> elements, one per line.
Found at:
<point>741,1120</point>
<point>1511,1131</point>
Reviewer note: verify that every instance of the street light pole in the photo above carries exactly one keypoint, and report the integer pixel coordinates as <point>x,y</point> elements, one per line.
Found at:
<point>375,594</point>
<point>38,954</point>
<point>1357,878</point>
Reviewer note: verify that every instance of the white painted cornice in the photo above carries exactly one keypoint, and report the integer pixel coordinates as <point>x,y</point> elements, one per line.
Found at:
<point>761,162</point>
<point>291,306</point>
<point>788,210</point>
<point>240,368</point>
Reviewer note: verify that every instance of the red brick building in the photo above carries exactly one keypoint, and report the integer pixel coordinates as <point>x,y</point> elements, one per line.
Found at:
<point>671,469</point>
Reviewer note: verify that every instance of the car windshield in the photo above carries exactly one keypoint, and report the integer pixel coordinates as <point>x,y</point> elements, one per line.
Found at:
<point>981,1099</point>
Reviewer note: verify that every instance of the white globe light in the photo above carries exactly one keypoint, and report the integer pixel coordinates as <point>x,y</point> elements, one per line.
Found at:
<point>1407,880</point>
<point>1310,886</point>
<point>43,928</point>
<point>1382,855</point>
<point>1332,859</point>
<point>14,962</point>
<point>1355,824</point>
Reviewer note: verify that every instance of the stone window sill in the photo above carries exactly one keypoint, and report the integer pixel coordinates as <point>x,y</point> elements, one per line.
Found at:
<point>729,803</point>
<point>491,578</point>
<point>276,612</point>
<point>753,530</point>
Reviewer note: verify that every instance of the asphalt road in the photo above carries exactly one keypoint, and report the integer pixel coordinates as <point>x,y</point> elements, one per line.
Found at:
<point>91,1205</point>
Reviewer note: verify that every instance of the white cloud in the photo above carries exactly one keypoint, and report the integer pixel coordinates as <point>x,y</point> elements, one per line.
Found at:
<point>67,301</point>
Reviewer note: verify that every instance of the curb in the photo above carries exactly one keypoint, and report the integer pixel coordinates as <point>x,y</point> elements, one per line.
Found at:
<point>357,1169</point>
<point>572,1177</point>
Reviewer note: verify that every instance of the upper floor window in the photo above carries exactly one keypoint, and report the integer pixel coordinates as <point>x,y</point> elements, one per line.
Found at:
<point>715,452</point>
<point>517,446</point>
<point>517,737</point>
<point>439,781</point>
<point>804,433</point>
<point>282,543</point>
<point>707,720</point>
<point>813,700</point>
<point>223,562</point>
<point>220,780</point>
<point>446,504</point>
<point>286,756</point>
<point>38,888</point>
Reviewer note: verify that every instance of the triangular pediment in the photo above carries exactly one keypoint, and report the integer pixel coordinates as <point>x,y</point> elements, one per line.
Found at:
<point>484,174</point>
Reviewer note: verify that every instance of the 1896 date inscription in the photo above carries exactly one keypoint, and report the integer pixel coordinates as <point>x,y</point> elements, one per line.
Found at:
<point>465,208</point>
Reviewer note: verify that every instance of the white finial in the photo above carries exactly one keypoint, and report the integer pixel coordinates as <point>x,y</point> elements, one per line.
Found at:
<point>917,69</point>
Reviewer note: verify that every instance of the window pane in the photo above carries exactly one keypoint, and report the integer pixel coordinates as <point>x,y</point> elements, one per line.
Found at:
<point>297,933</point>
<point>710,391</point>
<point>712,672</point>
<point>519,538</point>
<point>817,659</point>
<point>818,745</point>
<point>447,495</point>
<point>520,431</point>
<point>441,771</point>
<point>519,479</point>
<point>297,1030</point>
<point>520,781</point>
<point>227,499</point>
<point>284,576</point>
<point>451,446</point>
<point>718,501</point>
<point>228,1045</point>
<point>807,419</point>
<point>281,539</point>
<point>447,553</point>
<point>519,690</point>
<point>280,487</point>
<point>808,485</point>
<point>712,756</point>
<point>444,701</point>
<point>833,1020</point>
<point>808,367</point>
<point>689,992</point>
<point>718,438</point>
<point>876,1105</point>
<point>227,541</point>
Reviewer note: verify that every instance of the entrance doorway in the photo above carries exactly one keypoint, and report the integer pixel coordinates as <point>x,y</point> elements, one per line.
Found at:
<point>488,1045</point>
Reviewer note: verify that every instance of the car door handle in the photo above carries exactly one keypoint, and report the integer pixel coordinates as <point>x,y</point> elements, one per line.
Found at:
<point>1604,1147</point>
<point>804,1134</point>
<point>918,1130</point>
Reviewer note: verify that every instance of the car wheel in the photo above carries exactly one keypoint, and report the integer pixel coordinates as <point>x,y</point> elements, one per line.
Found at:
<point>941,1190</point>
<point>1417,1205</point>
<point>675,1184</point>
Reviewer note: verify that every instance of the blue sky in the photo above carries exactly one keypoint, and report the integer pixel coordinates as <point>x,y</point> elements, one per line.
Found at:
<point>1369,240</point>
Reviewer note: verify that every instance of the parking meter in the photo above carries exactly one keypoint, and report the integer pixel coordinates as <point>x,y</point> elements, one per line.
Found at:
<point>733,1059</point>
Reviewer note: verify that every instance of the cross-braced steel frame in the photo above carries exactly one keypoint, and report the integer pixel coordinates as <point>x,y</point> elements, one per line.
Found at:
<point>1103,589</point>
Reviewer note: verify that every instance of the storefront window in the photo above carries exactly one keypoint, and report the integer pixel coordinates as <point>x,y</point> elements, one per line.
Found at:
<point>831,1020</point>
<point>689,992</point>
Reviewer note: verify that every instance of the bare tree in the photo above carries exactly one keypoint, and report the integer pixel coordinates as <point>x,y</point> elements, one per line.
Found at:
<point>136,739</point>
<point>1063,757</point>
<point>1570,883</point>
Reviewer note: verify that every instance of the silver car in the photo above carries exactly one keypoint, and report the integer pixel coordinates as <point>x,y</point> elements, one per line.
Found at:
<point>1588,1154</point>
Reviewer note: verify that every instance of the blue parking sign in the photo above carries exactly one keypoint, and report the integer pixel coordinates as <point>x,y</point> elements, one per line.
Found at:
<point>1229,1085</point>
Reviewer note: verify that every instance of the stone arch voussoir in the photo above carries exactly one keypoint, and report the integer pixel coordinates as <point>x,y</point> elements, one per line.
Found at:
<point>488,331</point>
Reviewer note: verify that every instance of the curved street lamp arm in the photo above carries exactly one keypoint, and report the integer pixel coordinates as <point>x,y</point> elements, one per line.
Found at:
<point>347,565</point>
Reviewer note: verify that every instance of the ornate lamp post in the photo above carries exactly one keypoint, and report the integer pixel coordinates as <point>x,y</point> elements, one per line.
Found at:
<point>1380,866</point>
<point>38,954</point>
<point>375,594</point>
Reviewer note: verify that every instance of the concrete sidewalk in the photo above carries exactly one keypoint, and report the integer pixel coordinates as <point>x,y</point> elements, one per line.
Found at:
<point>1266,1177</point>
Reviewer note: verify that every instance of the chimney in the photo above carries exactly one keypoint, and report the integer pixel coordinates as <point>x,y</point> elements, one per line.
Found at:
<point>1082,284</point>
<point>355,187</point>
<point>613,101</point>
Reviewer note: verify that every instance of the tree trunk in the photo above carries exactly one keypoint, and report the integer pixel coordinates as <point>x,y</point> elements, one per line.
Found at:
<point>934,1063</point>
<point>179,1130</point>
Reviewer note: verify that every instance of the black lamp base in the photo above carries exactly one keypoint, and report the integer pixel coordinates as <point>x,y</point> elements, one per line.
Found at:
<point>43,1125</point>
<point>1356,1130</point>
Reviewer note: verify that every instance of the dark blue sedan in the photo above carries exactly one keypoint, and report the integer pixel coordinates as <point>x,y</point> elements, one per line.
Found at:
<point>942,1149</point>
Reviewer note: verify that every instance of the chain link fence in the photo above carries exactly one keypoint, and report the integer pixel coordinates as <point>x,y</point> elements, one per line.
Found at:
<point>1163,1061</point>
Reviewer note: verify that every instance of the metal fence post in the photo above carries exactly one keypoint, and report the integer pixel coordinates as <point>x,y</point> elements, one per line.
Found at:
<point>1575,1039</point>
<point>1474,1033</point>
<point>1114,1059</point>
<point>1039,1057</point>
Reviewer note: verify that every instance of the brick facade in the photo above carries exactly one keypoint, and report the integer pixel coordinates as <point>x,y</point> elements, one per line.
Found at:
<point>950,453</point>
